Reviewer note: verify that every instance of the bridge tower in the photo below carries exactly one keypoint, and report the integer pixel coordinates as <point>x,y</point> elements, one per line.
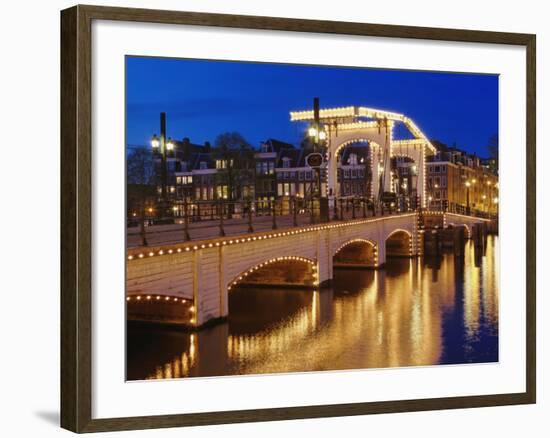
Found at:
<point>347,125</point>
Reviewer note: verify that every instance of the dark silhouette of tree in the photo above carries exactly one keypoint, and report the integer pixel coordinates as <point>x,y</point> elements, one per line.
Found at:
<point>492,147</point>
<point>139,167</point>
<point>140,179</point>
<point>231,141</point>
<point>236,172</point>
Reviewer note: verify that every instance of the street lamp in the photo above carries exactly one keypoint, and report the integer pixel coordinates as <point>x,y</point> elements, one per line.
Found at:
<point>155,142</point>
<point>468,184</point>
<point>317,134</point>
<point>160,145</point>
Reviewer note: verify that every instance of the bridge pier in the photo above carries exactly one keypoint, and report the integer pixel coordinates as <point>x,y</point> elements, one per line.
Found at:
<point>208,277</point>
<point>324,259</point>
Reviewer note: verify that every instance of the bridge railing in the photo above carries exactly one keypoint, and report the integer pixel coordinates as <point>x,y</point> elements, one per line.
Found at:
<point>452,207</point>
<point>208,219</point>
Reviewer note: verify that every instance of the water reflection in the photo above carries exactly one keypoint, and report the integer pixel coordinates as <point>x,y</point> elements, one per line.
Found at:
<point>415,312</point>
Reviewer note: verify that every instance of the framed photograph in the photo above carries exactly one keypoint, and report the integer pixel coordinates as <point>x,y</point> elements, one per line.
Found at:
<point>268,218</point>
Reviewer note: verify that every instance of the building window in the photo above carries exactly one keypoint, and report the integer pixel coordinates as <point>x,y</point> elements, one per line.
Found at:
<point>286,162</point>
<point>221,192</point>
<point>286,189</point>
<point>202,165</point>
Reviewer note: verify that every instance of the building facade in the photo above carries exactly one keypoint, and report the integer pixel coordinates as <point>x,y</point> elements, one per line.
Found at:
<point>200,177</point>
<point>458,179</point>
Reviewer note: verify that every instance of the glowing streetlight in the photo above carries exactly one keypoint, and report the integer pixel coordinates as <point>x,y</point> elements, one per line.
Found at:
<point>170,145</point>
<point>312,131</point>
<point>155,142</point>
<point>322,135</point>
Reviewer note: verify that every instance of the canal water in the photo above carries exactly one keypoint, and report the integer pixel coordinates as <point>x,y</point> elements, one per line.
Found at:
<point>425,311</point>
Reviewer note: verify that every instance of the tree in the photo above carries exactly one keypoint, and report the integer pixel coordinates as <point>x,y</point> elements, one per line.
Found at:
<point>492,147</point>
<point>140,178</point>
<point>139,167</point>
<point>231,140</point>
<point>237,172</point>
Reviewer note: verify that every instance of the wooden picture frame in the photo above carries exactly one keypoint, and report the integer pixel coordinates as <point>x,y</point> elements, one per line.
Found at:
<point>76,222</point>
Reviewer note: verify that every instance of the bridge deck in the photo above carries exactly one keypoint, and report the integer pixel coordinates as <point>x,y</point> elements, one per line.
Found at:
<point>207,229</point>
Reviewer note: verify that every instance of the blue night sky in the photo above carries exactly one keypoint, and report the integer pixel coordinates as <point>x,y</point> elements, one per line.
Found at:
<point>205,98</point>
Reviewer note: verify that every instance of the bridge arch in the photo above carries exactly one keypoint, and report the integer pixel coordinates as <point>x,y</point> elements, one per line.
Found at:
<point>338,141</point>
<point>399,243</point>
<point>287,271</point>
<point>335,161</point>
<point>349,142</point>
<point>466,228</point>
<point>357,253</point>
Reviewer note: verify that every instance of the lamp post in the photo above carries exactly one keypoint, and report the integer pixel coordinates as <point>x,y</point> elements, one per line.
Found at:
<point>163,146</point>
<point>186,236</point>
<point>316,135</point>
<point>468,184</point>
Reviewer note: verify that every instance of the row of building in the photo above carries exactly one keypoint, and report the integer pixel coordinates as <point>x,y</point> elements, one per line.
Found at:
<point>202,175</point>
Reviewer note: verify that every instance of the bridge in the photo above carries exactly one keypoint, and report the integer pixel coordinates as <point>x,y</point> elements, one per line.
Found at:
<point>188,283</point>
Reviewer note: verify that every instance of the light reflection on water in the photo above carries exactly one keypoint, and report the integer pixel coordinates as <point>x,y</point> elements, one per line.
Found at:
<point>415,312</point>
